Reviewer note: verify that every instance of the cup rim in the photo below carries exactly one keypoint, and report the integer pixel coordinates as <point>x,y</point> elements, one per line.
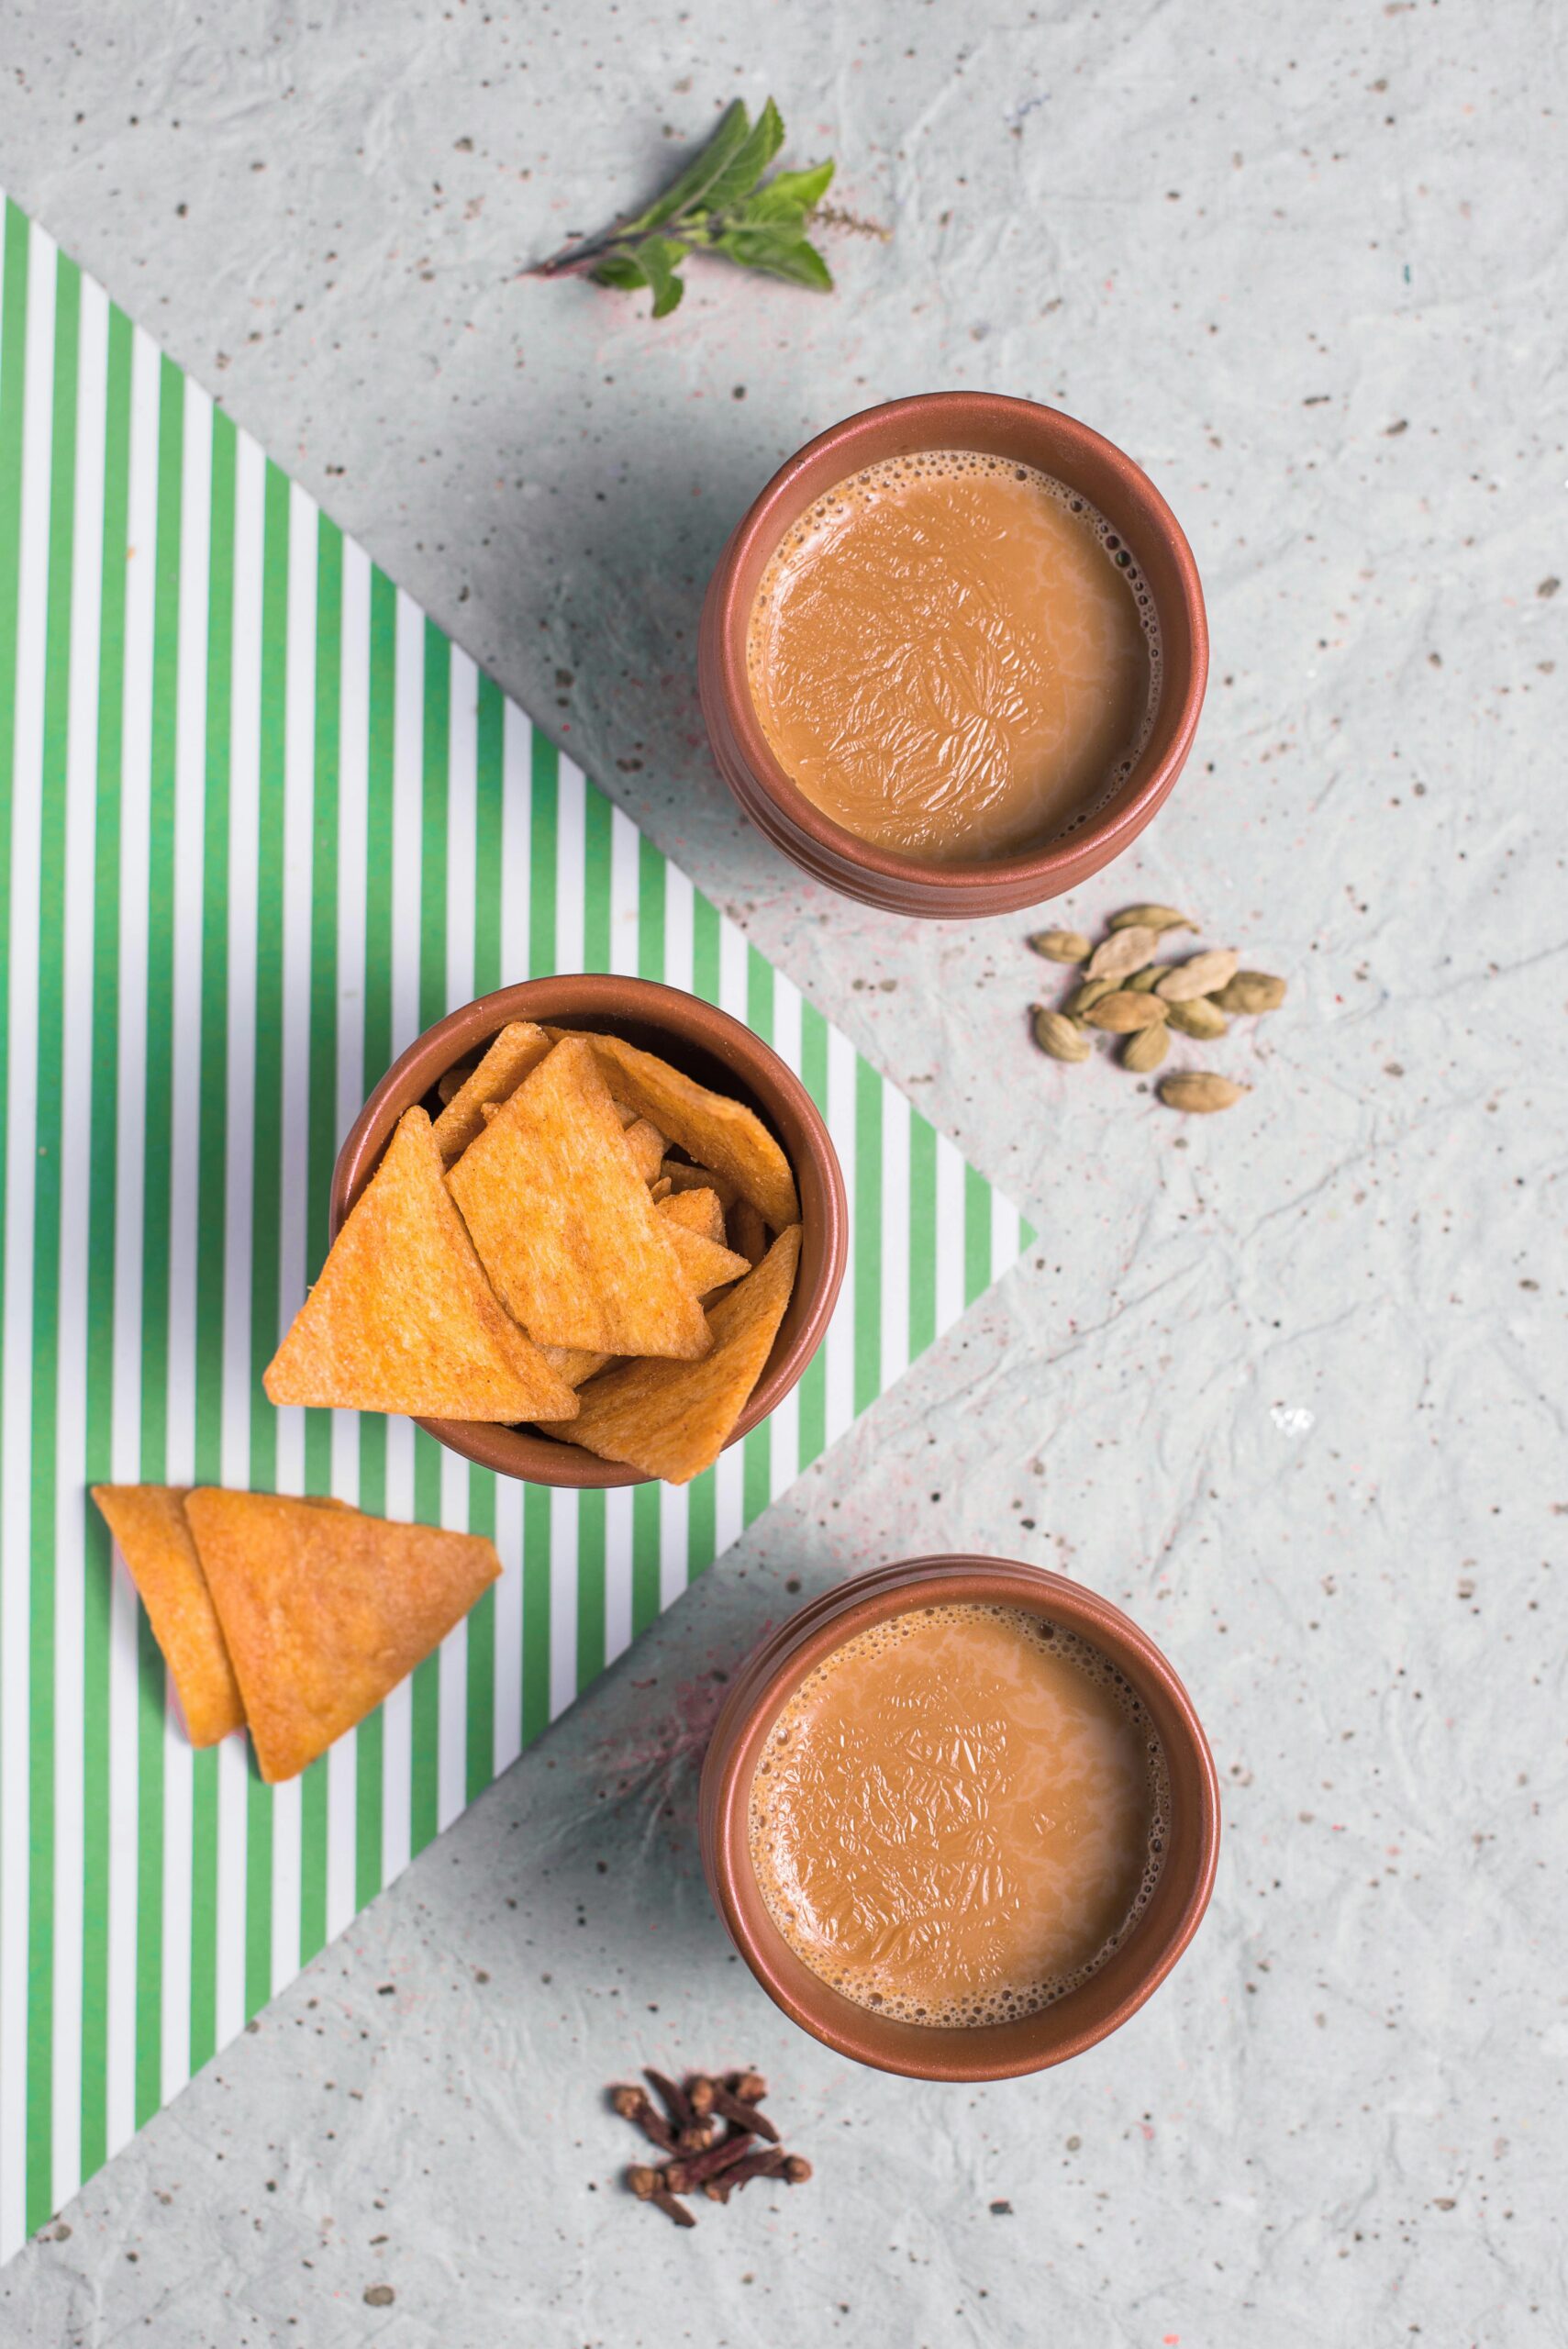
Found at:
<point>782,1659</point>
<point>954,888</point>
<point>606,1000</point>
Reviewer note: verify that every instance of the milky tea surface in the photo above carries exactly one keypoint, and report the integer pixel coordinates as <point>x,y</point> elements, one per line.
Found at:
<point>953,656</point>
<point>958,1815</point>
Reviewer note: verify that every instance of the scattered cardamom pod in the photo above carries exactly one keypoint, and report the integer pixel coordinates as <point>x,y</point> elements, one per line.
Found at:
<point>1083,999</point>
<point>1202,975</point>
<point>1252,991</point>
<point>1123,952</point>
<point>1197,1089</point>
<point>1146,1049</point>
<point>1057,1036</point>
<point>1149,918</point>
<point>1145,982</point>
<point>1061,945</point>
<point>1201,1018</point>
<point>1124,1013</point>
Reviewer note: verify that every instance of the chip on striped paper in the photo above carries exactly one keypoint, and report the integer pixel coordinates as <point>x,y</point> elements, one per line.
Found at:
<point>324,1612</point>
<point>151,1529</point>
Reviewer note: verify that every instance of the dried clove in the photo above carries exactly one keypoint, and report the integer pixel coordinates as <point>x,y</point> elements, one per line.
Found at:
<point>633,2106</point>
<point>690,2134</point>
<point>701,2160</point>
<point>742,2114</point>
<point>769,2164</point>
<point>682,2176</point>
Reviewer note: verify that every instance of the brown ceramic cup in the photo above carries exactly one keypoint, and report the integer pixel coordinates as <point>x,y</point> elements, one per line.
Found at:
<point>986,2051</point>
<point>703,1043</point>
<point>1070,452</point>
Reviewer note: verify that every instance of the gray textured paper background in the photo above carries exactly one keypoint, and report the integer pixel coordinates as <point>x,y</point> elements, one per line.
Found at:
<point>1273,1380</point>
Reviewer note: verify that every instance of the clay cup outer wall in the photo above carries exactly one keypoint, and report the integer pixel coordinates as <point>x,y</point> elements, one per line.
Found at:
<point>705,1044</point>
<point>992,2051</point>
<point>1055,444</point>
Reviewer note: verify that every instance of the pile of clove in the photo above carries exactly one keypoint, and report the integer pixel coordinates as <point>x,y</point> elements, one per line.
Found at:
<point>713,2135</point>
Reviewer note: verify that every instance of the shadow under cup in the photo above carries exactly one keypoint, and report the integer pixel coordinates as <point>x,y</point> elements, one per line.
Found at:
<point>1028,434</point>
<point>983,2051</point>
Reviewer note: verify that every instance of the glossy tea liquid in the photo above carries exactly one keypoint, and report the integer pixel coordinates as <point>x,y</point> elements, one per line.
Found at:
<point>953,656</point>
<point>958,1815</point>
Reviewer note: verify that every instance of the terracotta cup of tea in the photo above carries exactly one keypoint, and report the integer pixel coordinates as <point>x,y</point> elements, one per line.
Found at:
<point>1163,1924</point>
<point>702,1042</point>
<point>1144,533</point>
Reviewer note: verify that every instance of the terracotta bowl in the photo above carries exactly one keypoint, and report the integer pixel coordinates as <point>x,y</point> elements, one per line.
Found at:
<point>705,1044</point>
<point>988,2051</point>
<point>1057,445</point>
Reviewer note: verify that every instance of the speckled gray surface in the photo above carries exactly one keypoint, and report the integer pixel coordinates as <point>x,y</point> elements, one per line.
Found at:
<point>1273,1380</point>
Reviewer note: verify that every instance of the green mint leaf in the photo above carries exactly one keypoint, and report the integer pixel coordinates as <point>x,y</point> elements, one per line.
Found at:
<point>749,162</point>
<point>660,260</point>
<point>760,211</point>
<point>780,255</point>
<point>621,269</point>
<point>705,168</point>
<point>805,188</point>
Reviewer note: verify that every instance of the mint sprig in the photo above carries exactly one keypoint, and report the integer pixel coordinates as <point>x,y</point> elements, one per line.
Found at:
<point>718,205</point>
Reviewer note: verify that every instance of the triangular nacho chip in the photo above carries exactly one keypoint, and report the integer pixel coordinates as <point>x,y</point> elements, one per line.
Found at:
<point>648,1146</point>
<point>746,1233</point>
<point>402,1317</point>
<point>573,1365</point>
<point>454,1079</point>
<point>683,1176</point>
<point>720,1132</point>
<point>519,1047</point>
<point>325,1610</point>
<point>673,1419</point>
<point>564,1223</point>
<point>705,1264</point>
<point>699,1211</point>
<point>149,1527</point>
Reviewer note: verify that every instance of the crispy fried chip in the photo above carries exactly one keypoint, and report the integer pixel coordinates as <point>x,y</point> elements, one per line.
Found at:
<point>454,1079</point>
<point>573,1365</point>
<point>660,1190</point>
<point>564,1223</point>
<point>325,1610</point>
<point>148,1524</point>
<point>517,1049</point>
<point>746,1232</point>
<point>402,1317</point>
<point>648,1146</point>
<point>684,1177</point>
<point>705,1266</point>
<point>673,1419</point>
<point>698,1211</point>
<point>719,1132</point>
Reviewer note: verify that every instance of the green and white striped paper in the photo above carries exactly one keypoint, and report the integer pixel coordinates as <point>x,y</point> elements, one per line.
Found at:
<point>261,822</point>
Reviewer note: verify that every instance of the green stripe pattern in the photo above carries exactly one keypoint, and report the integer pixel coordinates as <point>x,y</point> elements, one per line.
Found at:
<point>260,823</point>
